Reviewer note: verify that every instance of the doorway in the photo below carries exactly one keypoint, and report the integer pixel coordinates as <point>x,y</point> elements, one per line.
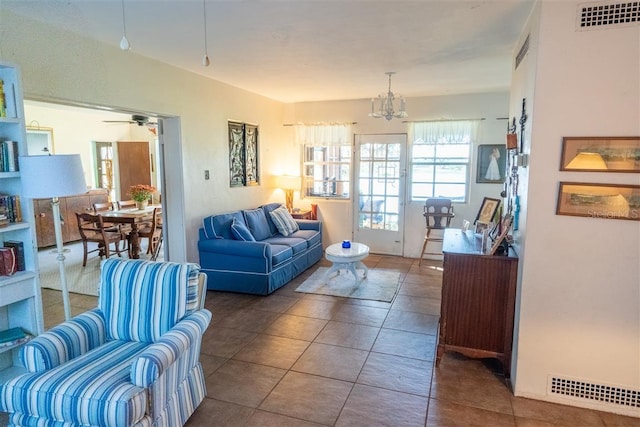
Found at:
<point>379,204</point>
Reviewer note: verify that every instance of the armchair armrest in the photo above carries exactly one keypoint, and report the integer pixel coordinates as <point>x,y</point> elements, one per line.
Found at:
<point>65,341</point>
<point>159,356</point>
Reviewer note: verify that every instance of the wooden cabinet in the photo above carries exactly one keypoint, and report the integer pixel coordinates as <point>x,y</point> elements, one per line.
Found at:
<point>478,300</point>
<point>68,207</point>
<point>20,301</point>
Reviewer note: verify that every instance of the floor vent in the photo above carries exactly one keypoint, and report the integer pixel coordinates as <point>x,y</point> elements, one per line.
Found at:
<point>597,15</point>
<point>522,52</point>
<point>602,393</point>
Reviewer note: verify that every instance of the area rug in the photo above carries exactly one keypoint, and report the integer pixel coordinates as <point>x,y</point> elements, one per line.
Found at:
<point>81,280</point>
<point>379,285</point>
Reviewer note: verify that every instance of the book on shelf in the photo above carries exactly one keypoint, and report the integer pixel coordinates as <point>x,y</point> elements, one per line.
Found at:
<point>9,156</point>
<point>11,207</point>
<point>8,264</point>
<point>3,101</point>
<point>18,247</point>
<point>13,336</point>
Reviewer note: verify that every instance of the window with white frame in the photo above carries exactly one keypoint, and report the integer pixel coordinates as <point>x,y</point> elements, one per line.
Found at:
<point>440,158</point>
<point>327,157</point>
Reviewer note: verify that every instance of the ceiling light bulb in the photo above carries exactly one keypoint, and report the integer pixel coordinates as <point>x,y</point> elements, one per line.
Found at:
<point>124,43</point>
<point>205,60</point>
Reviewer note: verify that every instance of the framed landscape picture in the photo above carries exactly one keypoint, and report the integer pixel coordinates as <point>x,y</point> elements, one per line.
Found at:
<point>491,164</point>
<point>611,201</point>
<point>601,154</point>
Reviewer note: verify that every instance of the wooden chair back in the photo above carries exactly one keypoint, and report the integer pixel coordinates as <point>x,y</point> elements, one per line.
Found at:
<point>126,204</point>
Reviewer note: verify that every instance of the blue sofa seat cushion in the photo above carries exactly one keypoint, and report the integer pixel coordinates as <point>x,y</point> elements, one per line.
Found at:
<point>296,245</point>
<point>241,232</point>
<point>312,237</point>
<point>99,379</point>
<point>256,221</point>
<point>280,253</point>
<point>219,226</point>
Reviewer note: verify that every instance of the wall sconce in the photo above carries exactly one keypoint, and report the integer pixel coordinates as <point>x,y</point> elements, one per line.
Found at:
<point>289,183</point>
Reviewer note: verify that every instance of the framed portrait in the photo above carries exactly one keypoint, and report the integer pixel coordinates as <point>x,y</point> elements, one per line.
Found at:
<point>491,164</point>
<point>600,154</point>
<point>487,210</point>
<point>610,201</point>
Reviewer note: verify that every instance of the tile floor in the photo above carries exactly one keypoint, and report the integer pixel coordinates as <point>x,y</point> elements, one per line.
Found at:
<point>293,359</point>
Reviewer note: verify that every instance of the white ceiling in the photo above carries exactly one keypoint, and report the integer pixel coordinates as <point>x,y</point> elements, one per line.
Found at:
<point>295,51</point>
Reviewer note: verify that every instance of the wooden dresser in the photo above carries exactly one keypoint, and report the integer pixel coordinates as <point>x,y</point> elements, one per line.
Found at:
<point>478,300</point>
<point>68,207</point>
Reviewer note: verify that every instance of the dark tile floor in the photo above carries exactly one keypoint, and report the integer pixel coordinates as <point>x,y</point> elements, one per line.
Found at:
<point>294,359</point>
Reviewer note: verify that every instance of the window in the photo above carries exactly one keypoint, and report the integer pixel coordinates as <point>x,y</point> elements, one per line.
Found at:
<point>440,156</point>
<point>327,160</point>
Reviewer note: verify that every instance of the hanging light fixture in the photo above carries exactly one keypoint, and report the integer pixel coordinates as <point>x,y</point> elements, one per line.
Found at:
<point>124,42</point>
<point>205,58</point>
<point>386,108</point>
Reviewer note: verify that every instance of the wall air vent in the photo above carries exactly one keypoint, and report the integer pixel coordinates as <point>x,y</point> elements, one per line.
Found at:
<point>523,51</point>
<point>608,14</point>
<point>598,393</point>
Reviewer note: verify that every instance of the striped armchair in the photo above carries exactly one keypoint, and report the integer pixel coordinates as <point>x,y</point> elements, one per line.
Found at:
<point>132,361</point>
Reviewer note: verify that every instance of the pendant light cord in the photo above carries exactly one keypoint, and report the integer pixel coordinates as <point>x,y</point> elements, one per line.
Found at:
<point>204,9</point>
<point>124,23</point>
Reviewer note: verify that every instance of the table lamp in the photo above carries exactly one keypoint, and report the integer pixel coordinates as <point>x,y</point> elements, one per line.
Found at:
<point>288,183</point>
<point>52,177</point>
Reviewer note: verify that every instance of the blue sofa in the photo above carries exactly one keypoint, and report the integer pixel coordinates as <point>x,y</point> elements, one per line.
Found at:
<point>258,263</point>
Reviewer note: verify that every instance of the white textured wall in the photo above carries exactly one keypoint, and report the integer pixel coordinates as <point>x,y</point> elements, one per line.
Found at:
<point>579,295</point>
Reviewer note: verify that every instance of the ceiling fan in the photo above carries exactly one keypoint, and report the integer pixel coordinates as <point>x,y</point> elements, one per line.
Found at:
<point>138,119</point>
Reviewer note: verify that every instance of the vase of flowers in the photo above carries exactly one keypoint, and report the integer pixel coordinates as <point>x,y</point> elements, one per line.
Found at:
<point>141,193</point>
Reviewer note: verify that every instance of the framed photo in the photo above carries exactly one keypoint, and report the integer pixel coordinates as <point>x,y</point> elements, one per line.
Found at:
<point>611,201</point>
<point>487,210</point>
<point>491,163</point>
<point>505,225</point>
<point>601,154</point>
<point>39,141</point>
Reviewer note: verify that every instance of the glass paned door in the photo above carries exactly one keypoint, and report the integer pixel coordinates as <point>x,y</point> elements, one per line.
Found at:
<point>379,203</point>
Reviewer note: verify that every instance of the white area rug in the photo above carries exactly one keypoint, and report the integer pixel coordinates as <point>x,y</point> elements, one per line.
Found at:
<point>379,285</point>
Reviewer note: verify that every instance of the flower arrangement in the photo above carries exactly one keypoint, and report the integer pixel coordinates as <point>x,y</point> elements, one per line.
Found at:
<point>141,192</point>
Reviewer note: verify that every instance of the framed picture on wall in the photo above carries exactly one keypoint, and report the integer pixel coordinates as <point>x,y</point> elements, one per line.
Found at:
<point>236,155</point>
<point>491,164</point>
<point>608,201</point>
<point>601,154</point>
<point>251,154</point>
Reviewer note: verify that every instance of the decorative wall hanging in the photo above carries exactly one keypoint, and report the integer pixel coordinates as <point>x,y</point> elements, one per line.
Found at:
<point>612,201</point>
<point>601,154</point>
<point>243,154</point>
<point>491,164</point>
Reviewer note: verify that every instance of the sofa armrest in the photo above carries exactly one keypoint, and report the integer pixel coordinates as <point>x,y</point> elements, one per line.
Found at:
<point>159,356</point>
<point>235,248</point>
<point>309,224</point>
<point>64,342</point>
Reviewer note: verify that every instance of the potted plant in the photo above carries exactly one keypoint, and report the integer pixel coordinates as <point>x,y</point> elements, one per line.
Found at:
<point>141,193</point>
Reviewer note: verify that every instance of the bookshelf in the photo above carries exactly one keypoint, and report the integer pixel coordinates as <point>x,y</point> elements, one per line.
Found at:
<point>20,299</point>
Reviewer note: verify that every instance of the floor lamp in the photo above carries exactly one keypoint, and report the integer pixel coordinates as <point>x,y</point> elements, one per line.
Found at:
<point>45,177</point>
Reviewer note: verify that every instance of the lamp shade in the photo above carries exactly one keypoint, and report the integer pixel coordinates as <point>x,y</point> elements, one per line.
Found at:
<point>46,177</point>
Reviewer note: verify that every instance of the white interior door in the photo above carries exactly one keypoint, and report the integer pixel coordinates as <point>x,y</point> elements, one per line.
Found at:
<point>379,199</point>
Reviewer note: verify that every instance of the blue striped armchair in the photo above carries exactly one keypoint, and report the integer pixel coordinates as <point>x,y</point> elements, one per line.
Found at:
<point>132,361</point>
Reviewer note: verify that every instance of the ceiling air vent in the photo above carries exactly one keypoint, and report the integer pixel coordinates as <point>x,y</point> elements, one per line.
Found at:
<point>523,51</point>
<point>607,14</point>
<point>601,393</point>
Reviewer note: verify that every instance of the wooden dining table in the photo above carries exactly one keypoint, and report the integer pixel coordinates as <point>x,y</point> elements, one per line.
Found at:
<point>132,217</point>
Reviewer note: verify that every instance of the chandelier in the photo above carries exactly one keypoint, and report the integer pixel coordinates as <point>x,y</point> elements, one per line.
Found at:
<point>386,108</point>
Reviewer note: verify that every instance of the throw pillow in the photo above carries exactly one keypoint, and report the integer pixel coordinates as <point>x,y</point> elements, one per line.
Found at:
<point>241,232</point>
<point>284,221</point>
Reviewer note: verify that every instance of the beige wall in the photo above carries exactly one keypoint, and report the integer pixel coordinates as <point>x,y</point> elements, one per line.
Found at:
<point>579,295</point>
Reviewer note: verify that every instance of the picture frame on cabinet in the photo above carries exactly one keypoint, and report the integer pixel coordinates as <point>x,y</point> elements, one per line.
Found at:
<point>601,154</point>
<point>487,210</point>
<point>608,201</point>
<point>40,140</point>
<point>504,227</point>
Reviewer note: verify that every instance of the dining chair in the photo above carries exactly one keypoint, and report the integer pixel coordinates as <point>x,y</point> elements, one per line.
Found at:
<point>120,228</point>
<point>438,213</point>
<point>126,204</point>
<point>92,229</point>
<point>152,231</point>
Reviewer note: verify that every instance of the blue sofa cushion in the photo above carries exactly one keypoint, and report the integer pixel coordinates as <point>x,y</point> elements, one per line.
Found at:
<point>280,253</point>
<point>241,232</point>
<point>219,226</point>
<point>284,221</point>
<point>296,245</point>
<point>256,220</point>
<point>312,237</point>
<point>268,208</point>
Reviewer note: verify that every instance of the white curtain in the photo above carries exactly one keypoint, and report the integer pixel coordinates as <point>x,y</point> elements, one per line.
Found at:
<point>447,131</point>
<point>323,135</point>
